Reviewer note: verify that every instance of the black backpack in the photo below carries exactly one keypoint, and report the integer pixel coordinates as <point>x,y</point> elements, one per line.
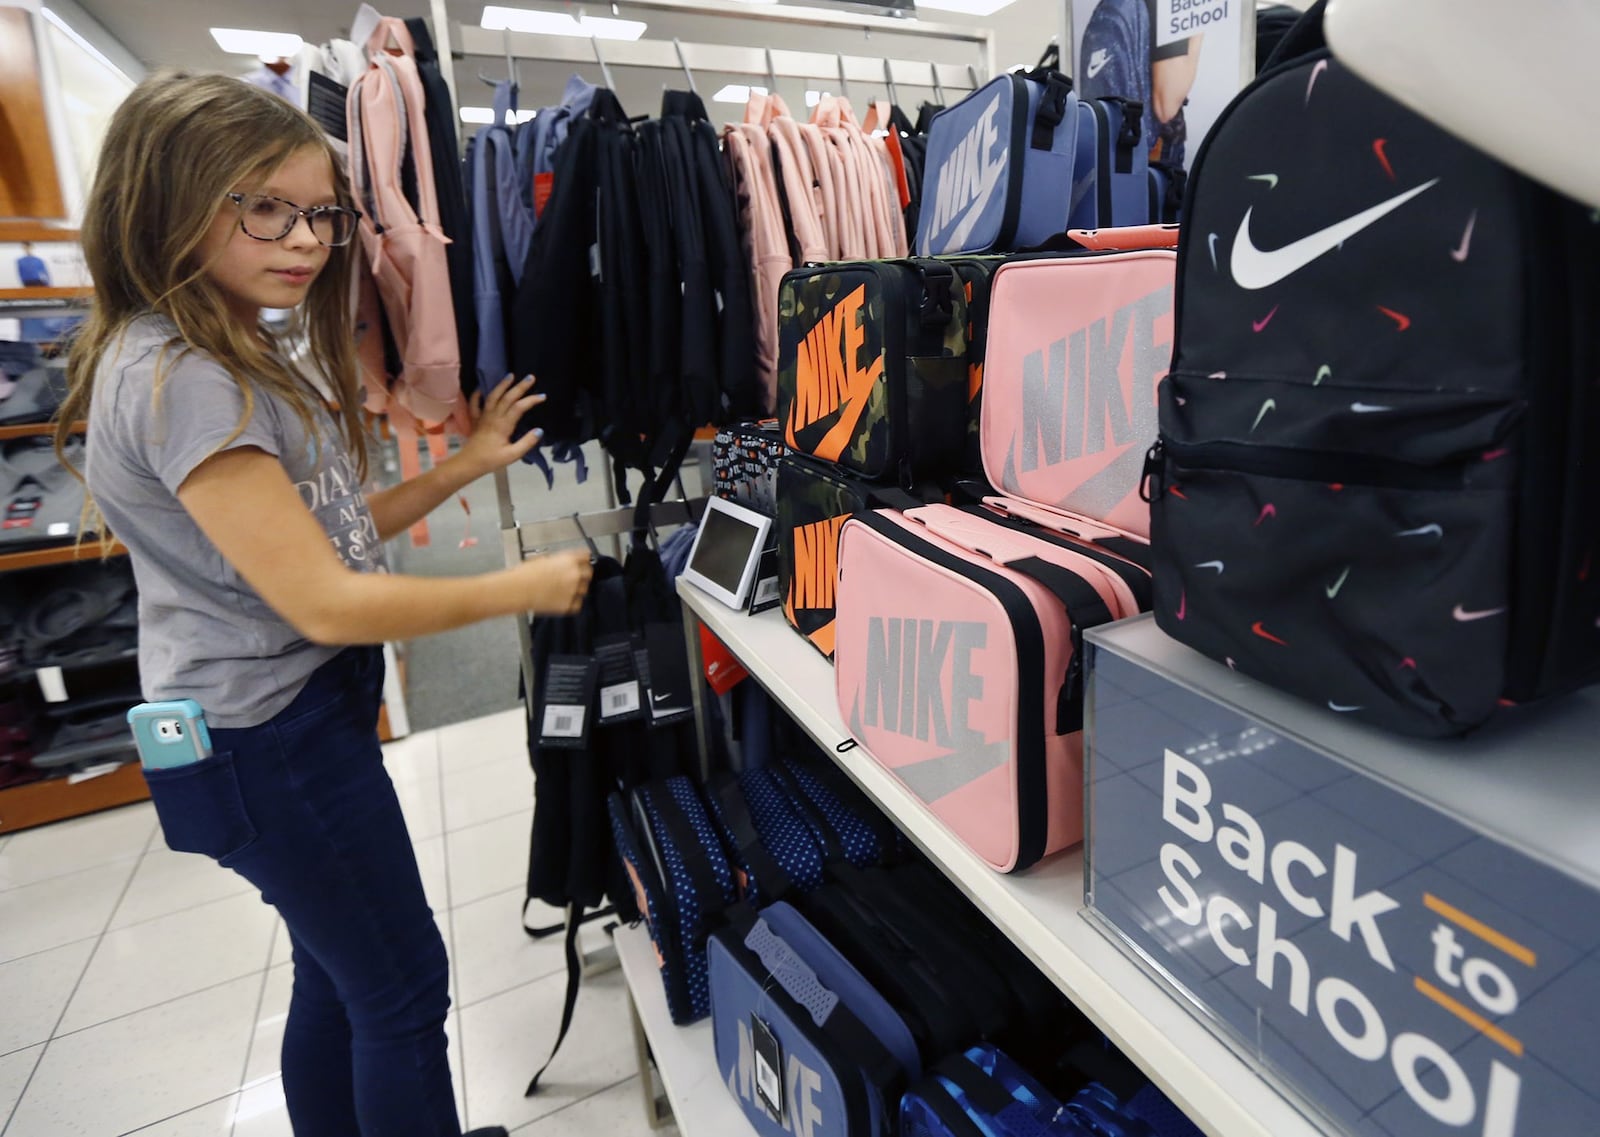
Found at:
<point>1374,485</point>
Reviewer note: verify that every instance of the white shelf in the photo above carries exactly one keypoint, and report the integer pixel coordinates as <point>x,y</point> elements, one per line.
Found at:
<point>1041,910</point>
<point>684,1055</point>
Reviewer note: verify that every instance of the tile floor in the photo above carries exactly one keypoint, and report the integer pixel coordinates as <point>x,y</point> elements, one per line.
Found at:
<point>144,991</point>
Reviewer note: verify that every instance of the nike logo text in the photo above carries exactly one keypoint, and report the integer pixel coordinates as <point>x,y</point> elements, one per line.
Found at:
<point>1464,616</point>
<point>1254,268</point>
<point>906,663</point>
<point>815,567</point>
<point>1333,589</point>
<point>1098,61</point>
<point>967,180</point>
<point>829,378</point>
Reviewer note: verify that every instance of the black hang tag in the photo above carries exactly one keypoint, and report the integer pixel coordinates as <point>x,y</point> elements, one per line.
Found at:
<point>569,689</point>
<point>325,103</point>
<point>621,694</point>
<point>671,687</point>
<point>769,1068</point>
<point>766,594</point>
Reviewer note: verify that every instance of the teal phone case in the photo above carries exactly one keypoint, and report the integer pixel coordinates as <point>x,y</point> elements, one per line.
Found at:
<point>170,734</point>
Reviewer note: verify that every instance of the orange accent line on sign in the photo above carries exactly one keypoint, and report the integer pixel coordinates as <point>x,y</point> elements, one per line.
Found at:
<point>1483,931</point>
<point>1469,1016</point>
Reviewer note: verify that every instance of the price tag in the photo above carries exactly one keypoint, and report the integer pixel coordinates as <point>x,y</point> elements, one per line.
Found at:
<point>769,1061</point>
<point>569,691</point>
<point>52,684</point>
<point>621,698</point>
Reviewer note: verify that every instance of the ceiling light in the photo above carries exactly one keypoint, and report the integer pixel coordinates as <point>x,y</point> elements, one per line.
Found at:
<point>497,19</point>
<point>737,93</point>
<point>267,45</point>
<point>483,116</point>
<point>967,7</point>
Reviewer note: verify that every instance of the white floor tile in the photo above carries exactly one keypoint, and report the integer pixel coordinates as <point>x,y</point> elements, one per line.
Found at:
<point>414,757</point>
<point>34,990</point>
<point>617,1112</point>
<point>419,801</point>
<point>493,954</point>
<point>435,876</point>
<point>137,1070</point>
<point>506,1038</point>
<point>282,948</point>
<point>46,915</point>
<point>266,1037</point>
<point>488,858</point>
<point>167,882</point>
<point>484,792</point>
<point>485,740</point>
<point>260,1111</point>
<point>15,1069</point>
<point>176,955</point>
<point>72,846</point>
<point>214,1119</point>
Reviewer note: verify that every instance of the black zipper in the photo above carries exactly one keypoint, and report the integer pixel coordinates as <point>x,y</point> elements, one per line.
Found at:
<point>1033,811</point>
<point>1295,465</point>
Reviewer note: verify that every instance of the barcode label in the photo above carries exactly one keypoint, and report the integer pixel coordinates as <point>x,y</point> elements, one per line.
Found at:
<point>621,699</point>
<point>564,722</point>
<point>766,591</point>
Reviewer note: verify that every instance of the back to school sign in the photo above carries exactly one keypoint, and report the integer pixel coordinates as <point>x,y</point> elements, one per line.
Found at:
<point>1409,976</point>
<point>1180,19</point>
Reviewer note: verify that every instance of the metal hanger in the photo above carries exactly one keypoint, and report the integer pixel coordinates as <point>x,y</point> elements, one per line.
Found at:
<point>605,68</point>
<point>844,84</point>
<point>511,63</point>
<point>772,74</point>
<point>972,74</point>
<point>684,63</point>
<point>594,550</point>
<point>938,88</point>
<point>888,81</point>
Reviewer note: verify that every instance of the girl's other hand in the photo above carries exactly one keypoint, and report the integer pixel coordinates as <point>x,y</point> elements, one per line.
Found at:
<point>490,447</point>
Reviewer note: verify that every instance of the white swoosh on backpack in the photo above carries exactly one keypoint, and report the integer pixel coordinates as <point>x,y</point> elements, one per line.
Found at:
<point>1255,268</point>
<point>991,178</point>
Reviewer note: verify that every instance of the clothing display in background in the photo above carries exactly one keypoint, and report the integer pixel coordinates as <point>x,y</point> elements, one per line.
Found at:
<point>40,501</point>
<point>32,395</point>
<point>72,615</point>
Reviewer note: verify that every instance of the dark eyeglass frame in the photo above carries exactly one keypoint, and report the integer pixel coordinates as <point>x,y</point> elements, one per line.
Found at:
<point>310,215</point>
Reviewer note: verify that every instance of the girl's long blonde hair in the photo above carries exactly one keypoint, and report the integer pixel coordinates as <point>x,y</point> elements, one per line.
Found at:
<point>175,148</point>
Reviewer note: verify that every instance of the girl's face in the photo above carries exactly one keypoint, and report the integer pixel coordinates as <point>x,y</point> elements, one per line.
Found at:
<point>255,274</point>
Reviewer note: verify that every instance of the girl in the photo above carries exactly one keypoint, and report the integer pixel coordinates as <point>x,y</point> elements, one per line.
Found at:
<point>260,565</point>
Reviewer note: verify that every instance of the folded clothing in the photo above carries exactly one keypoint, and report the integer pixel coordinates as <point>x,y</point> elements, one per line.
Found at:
<point>36,394</point>
<point>41,502</point>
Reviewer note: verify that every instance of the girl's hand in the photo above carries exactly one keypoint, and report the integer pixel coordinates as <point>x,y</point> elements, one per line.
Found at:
<point>556,583</point>
<point>490,447</point>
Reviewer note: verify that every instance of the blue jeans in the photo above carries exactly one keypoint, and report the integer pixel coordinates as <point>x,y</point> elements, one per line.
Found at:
<point>303,809</point>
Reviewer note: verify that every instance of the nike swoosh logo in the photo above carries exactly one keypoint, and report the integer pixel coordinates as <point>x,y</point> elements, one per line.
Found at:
<point>1436,529</point>
<point>1268,510</point>
<point>1333,589</point>
<point>1254,268</point>
<point>1269,405</point>
<point>1459,253</point>
<point>1377,148</point>
<point>1183,604</point>
<point>1213,243</point>
<point>1098,61</point>
<point>1266,635</point>
<point>660,698</point>
<point>1464,616</point>
<point>1368,408</point>
<point>1322,65</point>
<point>1333,706</point>
<point>1400,318</point>
<point>1218,565</point>
<point>1270,179</point>
<point>1323,372</point>
<point>1260,325</point>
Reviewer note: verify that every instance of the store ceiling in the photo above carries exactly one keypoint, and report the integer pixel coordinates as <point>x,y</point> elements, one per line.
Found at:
<point>175,33</point>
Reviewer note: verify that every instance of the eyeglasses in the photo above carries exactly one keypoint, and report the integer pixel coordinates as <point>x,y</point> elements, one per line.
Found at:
<point>272,219</point>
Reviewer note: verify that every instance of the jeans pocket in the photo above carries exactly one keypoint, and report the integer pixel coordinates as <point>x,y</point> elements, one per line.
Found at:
<point>202,808</point>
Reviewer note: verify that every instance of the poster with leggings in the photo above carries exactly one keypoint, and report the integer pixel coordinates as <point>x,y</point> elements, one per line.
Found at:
<point>1183,59</point>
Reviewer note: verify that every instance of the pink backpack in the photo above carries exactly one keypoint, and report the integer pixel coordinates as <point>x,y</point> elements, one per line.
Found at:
<point>766,246</point>
<point>801,188</point>
<point>406,252</point>
<point>871,208</point>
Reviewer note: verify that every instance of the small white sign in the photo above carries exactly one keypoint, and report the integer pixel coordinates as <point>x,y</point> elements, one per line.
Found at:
<point>564,721</point>
<point>621,699</point>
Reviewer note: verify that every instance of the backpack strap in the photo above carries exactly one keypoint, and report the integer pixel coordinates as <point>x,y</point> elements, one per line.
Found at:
<point>1053,103</point>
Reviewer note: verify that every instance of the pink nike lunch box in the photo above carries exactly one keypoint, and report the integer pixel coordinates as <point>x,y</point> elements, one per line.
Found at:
<point>959,631</point>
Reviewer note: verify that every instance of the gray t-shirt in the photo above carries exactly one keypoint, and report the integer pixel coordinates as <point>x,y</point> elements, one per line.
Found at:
<point>205,634</point>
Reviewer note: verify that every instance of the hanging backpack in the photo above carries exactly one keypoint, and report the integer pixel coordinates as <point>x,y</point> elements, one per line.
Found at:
<point>405,246</point>
<point>1374,486</point>
<point>763,241</point>
<point>502,234</point>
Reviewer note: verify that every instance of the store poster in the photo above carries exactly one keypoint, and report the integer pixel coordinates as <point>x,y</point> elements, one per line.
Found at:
<point>1184,60</point>
<point>42,264</point>
<point>30,184</point>
<point>1405,974</point>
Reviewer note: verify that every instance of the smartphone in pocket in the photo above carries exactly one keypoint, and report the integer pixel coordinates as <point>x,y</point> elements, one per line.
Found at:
<point>170,734</point>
